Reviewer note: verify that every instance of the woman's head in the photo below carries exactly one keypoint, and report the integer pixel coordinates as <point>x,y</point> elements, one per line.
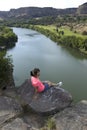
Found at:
<point>35,72</point>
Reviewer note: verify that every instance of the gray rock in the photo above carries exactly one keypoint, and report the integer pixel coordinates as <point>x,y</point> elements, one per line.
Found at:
<point>46,102</point>
<point>28,123</point>
<point>34,119</point>
<point>17,124</point>
<point>9,109</point>
<point>74,118</point>
<point>10,92</point>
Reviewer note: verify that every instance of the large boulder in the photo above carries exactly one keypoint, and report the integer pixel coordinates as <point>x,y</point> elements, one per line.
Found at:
<point>74,118</point>
<point>48,102</point>
<point>9,108</point>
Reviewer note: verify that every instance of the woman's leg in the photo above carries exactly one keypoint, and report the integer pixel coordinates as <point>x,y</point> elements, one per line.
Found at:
<point>50,83</point>
<point>53,84</point>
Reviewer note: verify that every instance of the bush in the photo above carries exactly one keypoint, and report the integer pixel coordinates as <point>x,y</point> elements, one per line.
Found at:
<point>6,69</point>
<point>50,125</point>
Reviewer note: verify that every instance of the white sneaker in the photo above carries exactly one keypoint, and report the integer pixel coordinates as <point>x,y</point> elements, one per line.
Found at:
<point>59,84</point>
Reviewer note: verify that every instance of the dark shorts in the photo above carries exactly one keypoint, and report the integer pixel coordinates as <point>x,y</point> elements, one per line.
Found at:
<point>46,86</point>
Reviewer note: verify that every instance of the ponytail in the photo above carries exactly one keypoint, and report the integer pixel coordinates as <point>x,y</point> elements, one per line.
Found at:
<point>34,72</point>
<point>31,73</point>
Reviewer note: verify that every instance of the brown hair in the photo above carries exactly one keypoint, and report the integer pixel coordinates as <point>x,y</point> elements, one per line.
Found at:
<point>34,72</point>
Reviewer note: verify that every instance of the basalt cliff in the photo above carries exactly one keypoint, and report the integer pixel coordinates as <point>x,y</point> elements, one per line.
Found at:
<point>37,12</point>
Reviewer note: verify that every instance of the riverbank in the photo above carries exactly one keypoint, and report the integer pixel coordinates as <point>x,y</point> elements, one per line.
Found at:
<point>63,36</point>
<point>7,40</point>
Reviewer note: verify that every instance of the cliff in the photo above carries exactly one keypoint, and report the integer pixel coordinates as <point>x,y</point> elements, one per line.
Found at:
<point>82,9</point>
<point>35,12</point>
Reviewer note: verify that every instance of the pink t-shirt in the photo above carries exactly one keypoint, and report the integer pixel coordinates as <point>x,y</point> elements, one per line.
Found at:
<point>37,84</point>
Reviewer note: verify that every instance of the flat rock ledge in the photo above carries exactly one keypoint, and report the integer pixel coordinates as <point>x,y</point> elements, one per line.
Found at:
<point>17,124</point>
<point>9,109</point>
<point>12,116</point>
<point>51,101</point>
<point>74,118</point>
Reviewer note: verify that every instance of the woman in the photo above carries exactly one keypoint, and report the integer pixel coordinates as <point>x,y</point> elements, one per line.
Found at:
<point>38,85</point>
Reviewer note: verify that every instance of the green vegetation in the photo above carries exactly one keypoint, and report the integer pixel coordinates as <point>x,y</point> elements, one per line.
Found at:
<point>7,37</point>
<point>50,124</point>
<point>6,69</point>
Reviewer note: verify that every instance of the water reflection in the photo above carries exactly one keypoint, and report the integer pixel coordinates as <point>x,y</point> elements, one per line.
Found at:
<point>32,34</point>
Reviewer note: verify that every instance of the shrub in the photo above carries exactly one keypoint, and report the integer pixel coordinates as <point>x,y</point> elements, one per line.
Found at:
<point>50,125</point>
<point>6,69</point>
<point>7,37</point>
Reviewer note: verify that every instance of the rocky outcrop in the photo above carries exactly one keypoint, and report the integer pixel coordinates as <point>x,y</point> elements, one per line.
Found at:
<point>9,109</point>
<point>17,124</point>
<point>36,12</point>
<point>14,117</point>
<point>82,9</point>
<point>74,118</point>
<point>51,101</point>
<point>34,119</point>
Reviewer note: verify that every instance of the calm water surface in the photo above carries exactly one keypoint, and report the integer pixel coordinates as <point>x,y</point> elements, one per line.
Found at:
<point>55,62</point>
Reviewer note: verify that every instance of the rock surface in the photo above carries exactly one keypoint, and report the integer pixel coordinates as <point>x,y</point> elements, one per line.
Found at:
<point>34,120</point>
<point>10,92</point>
<point>9,109</point>
<point>47,102</point>
<point>71,118</point>
<point>74,118</point>
<point>17,124</point>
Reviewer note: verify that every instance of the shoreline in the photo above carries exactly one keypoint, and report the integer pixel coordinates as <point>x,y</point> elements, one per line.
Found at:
<point>60,40</point>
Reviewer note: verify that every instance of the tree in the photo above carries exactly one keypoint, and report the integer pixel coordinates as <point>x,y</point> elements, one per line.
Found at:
<point>7,37</point>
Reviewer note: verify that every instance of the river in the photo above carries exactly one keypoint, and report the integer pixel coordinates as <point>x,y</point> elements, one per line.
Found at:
<point>55,62</point>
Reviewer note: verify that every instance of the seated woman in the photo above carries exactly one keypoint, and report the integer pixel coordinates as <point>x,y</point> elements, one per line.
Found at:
<point>39,85</point>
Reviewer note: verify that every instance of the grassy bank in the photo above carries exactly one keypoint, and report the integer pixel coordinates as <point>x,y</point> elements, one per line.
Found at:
<point>64,36</point>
